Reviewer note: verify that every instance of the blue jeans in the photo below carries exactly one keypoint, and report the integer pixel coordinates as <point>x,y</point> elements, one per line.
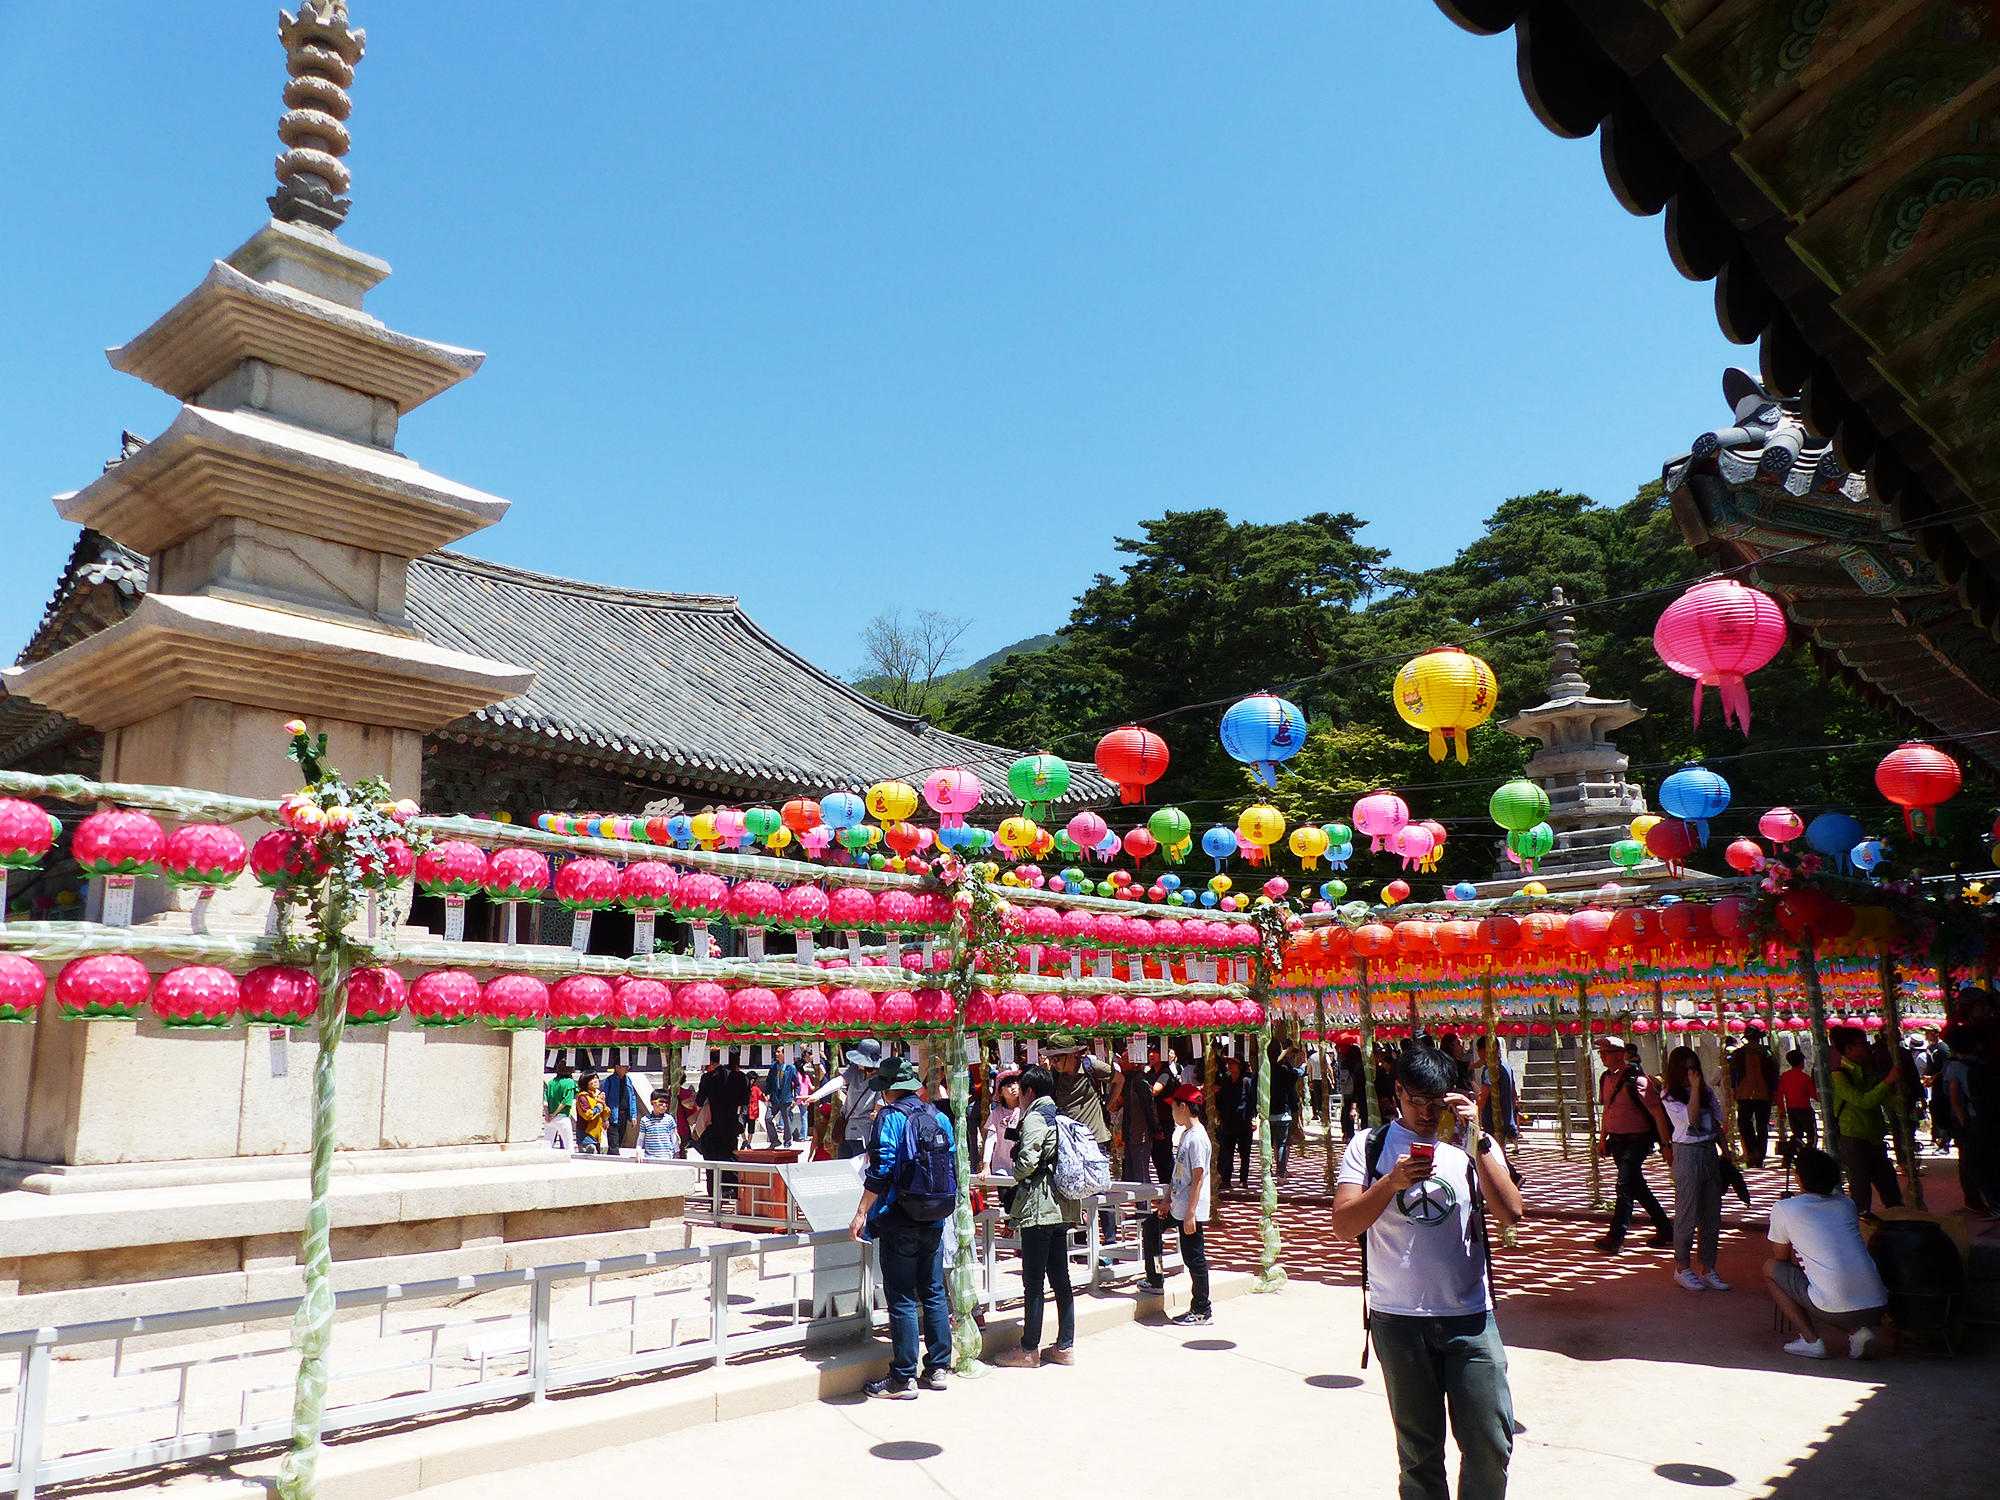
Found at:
<point>912,1257</point>
<point>1427,1364</point>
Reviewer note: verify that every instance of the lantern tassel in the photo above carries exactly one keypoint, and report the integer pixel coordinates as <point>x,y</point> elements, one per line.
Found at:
<point>1437,744</point>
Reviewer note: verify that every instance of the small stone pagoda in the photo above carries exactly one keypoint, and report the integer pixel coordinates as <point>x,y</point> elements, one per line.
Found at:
<point>1591,804</point>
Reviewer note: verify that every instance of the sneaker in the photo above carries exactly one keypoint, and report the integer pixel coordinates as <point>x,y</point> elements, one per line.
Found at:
<point>932,1380</point>
<point>1059,1355</point>
<point>891,1388</point>
<point>1152,1288</point>
<point>1609,1245</point>
<point>1015,1358</point>
<point>1807,1348</point>
<point>1194,1319</point>
<point>1713,1282</point>
<point>1688,1279</point>
<point>1859,1342</point>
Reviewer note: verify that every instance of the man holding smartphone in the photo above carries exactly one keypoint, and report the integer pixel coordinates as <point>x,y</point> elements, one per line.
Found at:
<point>1415,1192</point>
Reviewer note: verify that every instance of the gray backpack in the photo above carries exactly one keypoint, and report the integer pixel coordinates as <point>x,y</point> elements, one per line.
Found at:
<point>1081,1168</point>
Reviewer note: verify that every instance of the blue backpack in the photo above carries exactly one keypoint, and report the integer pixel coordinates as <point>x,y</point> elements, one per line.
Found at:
<point>927,1173</point>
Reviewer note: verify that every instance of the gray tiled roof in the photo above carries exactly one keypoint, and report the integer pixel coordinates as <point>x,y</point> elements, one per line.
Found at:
<point>684,682</point>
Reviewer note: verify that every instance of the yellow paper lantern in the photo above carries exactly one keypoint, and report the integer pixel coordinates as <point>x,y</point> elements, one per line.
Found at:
<point>1262,825</point>
<point>1015,834</point>
<point>778,838</point>
<point>891,801</point>
<point>1534,888</point>
<point>702,825</point>
<point>1309,843</point>
<point>1446,692</point>
<point>1641,823</point>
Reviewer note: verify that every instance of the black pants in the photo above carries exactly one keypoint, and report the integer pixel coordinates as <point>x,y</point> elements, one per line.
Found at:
<point>1163,1158</point>
<point>1230,1147</point>
<point>1194,1255</point>
<point>1350,1110</point>
<point>1867,1166</point>
<point>1753,1122</point>
<point>1804,1125</point>
<point>1045,1257</point>
<point>1281,1143</point>
<point>1630,1153</point>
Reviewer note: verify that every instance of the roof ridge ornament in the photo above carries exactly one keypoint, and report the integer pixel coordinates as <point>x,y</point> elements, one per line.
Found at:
<point>321,51</point>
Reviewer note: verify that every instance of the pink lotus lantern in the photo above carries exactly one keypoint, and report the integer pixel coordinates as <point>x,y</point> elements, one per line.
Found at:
<point>26,834</point>
<point>586,887</point>
<point>583,1000</point>
<point>703,1005</point>
<point>754,1011</point>
<point>375,997</point>
<point>444,997</point>
<point>22,988</point>
<point>1198,1015</point>
<point>1142,1011</point>
<point>853,1010</point>
<point>198,996</point>
<point>806,908</point>
<point>1716,632</point>
<point>851,909</point>
<point>1413,842</point>
<point>700,896</point>
<point>1080,1013</point>
<point>119,846</point>
<point>395,865</point>
<point>982,1010</point>
<point>804,1011</point>
<point>1249,1013</point>
<point>756,903</point>
<point>642,1005</point>
<point>1380,815</point>
<point>936,1008</point>
<point>1014,1012</point>
<point>1171,1014</point>
<point>951,794</point>
<point>896,911</point>
<point>515,1002</point>
<point>898,1008</point>
<point>277,995</point>
<point>452,869</point>
<point>201,857</point>
<point>518,874</point>
<point>1781,825</point>
<point>1051,1012</point>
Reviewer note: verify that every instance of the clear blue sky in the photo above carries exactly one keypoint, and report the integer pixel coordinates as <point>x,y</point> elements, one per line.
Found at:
<point>842,306</point>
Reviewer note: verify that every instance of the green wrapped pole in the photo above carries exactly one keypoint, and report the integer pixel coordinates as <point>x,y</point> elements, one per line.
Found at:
<point>1586,1085</point>
<point>1822,1049</point>
<point>962,1285</point>
<point>1271,1276</point>
<point>1330,1072</point>
<point>312,1326</point>
<point>1371,1106</point>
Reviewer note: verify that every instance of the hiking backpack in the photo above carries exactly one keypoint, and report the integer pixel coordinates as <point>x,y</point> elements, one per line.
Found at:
<point>1081,1166</point>
<point>927,1168</point>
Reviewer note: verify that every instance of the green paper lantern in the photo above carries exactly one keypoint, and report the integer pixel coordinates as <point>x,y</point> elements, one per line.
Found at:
<point>1170,826</point>
<point>1518,806</point>
<point>761,822</point>
<point>1627,853</point>
<point>1038,780</point>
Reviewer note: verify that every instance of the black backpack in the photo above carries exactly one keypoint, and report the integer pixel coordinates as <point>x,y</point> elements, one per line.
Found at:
<point>927,1168</point>
<point>1378,1138</point>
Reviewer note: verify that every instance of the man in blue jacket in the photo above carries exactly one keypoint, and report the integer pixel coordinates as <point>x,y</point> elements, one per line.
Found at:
<point>909,1189</point>
<point>621,1097</point>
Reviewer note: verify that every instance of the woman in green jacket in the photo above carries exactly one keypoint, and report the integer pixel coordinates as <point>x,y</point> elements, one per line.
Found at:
<point>1042,1219</point>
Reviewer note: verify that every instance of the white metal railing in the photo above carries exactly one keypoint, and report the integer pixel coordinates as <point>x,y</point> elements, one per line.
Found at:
<point>458,1343</point>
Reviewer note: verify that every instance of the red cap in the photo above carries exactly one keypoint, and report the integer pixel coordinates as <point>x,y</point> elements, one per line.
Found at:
<point>1187,1094</point>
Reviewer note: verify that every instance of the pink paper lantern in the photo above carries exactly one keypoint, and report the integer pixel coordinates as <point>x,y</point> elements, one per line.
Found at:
<point>804,1011</point>
<point>754,1011</point>
<point>1380,815</point>
<point>1781,825</point>
<point>896,911</point>
<point>22,988</point>
<point>643,1005</point>
<point>199,855</point>
<point>198,996</point>
<point>587,885</point>
<point>444,997</point>
<point>936,1008</point>
<point>701,896</point>
<point>515,1002</point>
<point>1016,1011</point>
<point>851,908</point>
<point>646,886</point>
<point>805,908</point>
<point>277,995</point>
<point>952,793</point>
<point>1716,632</point>
<point>853,1010</point>
<point>118,843</point>
<point>519,874</point>
<point>375,996</point>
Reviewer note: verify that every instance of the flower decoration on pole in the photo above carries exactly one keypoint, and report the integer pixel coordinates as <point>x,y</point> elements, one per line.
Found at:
<point>1037,780</point>
<point>1263,730</point>
<point>1694,794</point>
<point>1919,778</point>
<point>1448,693</point>
<point>1132,759</point>
<point>1716,632</point>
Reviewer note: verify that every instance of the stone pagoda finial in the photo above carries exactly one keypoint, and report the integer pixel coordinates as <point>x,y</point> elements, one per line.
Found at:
<point>321,50</point>
<point>1565,678</point>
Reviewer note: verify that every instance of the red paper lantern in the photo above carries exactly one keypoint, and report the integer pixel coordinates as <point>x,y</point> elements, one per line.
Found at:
<point>1373,939</point>
<point>1588,930</point>
<point>202,855</point>
<point>1918,778</point>
<point>1671,841</point>
<point>1733,917</point>
<point>1715,633</point>
<point>1133,759</point>
<point>515,1002</point>
<point>1414,938</point>
<point>26,834</point>
<point>1499,932</point>
<point>801,815</point>
<point>1744,856</point>
<point>519,874</point>
<point>450,868</point>
<point>196,996</point>
<point>118,843</point>
<point>22,988</point>
<point>444,997</point>
<point>375,996</point>
<point>277,995</point>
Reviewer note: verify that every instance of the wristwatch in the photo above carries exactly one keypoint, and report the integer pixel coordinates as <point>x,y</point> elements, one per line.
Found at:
<point>1485,1143</point>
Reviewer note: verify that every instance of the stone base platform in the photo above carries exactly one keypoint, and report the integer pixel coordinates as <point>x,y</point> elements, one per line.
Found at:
<point>79,1256</point>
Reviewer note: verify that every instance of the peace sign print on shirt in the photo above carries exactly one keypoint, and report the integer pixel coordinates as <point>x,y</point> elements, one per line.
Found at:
<point>1429,1202</point>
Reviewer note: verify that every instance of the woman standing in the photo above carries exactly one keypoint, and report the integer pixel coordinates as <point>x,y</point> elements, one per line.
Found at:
<point>1042,1219</point>
<point>1691,1136</point>
<point>1132,1107</point>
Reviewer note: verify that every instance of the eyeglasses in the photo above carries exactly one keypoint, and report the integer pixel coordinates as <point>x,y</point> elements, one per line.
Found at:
<point>1425,1101</point>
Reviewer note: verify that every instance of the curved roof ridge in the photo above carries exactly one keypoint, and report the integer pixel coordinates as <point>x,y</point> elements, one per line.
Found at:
<point>464,562</point>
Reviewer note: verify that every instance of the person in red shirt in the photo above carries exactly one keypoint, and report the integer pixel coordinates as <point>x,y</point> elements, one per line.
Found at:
<point>1628,1104</point>
<point>1797,1093</point>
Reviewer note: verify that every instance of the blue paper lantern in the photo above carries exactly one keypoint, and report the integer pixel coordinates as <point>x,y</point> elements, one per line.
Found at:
<point>1333,890</point>
<point>1867,854</point>
<point>840,810</point>
<point>1694,794</point>
<point>1261,731</point>
<point>1833,836</point>
<point>1170,882</point>
<point>680,828</point>
<point>1218,844</point>
<point>1465,890</point>
<point>1209,898</point>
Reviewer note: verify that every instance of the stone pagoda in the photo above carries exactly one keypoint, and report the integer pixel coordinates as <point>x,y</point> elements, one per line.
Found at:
<point>279,522</point>
<point>1591,804</point>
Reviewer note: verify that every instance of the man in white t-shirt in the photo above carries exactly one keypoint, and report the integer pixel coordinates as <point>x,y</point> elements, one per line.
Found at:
<point>1820,1270</point>
<point>1417,1195</point>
